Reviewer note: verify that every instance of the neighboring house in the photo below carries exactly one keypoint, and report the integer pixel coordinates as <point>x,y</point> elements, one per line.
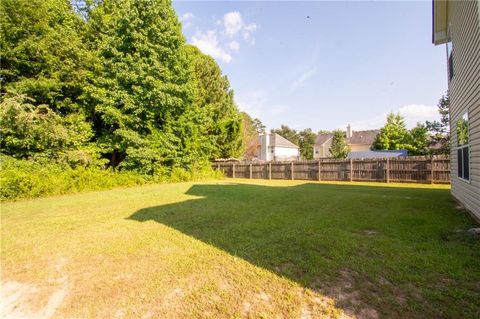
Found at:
<point>361,140</point>
<point>273,147</point>
<point>322,146</point>
<point>377,154</point>
<point>356,140</point>
<point>457,24</point>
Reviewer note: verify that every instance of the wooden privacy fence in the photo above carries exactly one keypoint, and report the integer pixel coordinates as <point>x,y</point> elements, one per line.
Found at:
<point>399,169</point>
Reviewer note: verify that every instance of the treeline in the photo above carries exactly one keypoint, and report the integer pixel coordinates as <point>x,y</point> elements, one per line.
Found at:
<point>112,85</point>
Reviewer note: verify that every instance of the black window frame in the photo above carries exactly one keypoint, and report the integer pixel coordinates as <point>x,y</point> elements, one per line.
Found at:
<point>463,147</point>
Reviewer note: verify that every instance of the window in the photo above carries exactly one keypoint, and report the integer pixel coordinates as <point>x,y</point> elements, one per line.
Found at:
<point>463,152</point>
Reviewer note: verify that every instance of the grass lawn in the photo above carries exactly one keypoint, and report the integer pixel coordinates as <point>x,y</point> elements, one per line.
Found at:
<point>241,248</point>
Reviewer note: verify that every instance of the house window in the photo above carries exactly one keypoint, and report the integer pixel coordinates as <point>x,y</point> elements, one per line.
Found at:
<point>463,149</point>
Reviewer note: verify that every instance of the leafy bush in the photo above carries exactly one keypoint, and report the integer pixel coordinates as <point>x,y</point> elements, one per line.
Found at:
<point>30,179</point>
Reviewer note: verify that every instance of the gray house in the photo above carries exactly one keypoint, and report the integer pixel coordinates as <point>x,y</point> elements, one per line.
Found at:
<point>457,25</point>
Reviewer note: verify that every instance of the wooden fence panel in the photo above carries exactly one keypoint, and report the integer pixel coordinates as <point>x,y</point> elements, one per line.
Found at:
<point>369,170</point>
<point>405,169</point>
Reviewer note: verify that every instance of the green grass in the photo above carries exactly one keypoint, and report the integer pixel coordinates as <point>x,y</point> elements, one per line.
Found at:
<point>241,248</point>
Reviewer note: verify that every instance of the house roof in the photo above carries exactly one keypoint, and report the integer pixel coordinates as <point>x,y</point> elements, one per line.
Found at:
<point>363,137</point>
<point>377,154</point>
<point>439,21</point>
<point>280,141</point>
<point>323,138</point>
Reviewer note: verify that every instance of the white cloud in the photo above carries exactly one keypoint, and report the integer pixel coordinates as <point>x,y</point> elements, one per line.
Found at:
<point>185,19</point>
<point>302,78</point>
<point>234,45</point>
<point>234,25</point>
<point>208,43</point>
<point>412,113</point>
<point>224,39</point>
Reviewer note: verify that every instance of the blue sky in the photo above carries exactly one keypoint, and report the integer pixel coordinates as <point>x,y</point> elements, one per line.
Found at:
<point>323,65</point>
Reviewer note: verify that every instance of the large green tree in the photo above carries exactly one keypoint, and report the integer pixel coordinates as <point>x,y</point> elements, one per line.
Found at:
<point>43,54</point>
<point>339,147</point>
<point>221,119</point>
<point>393,135</point>
<point>307,141</point>
<point>143,85</point>
<point>115,78</point>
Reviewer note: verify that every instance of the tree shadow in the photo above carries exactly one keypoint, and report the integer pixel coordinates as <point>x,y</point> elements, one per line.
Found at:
<point>369,248</point>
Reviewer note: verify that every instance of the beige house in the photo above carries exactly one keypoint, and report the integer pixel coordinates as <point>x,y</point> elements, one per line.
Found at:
<point>457,25</point>
<point>358,141</point>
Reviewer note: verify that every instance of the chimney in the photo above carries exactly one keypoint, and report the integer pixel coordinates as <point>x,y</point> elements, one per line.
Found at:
<point>264,146</point>
<point>349,131</point>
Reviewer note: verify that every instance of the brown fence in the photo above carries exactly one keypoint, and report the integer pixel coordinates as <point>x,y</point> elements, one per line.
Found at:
<point>400,169</point>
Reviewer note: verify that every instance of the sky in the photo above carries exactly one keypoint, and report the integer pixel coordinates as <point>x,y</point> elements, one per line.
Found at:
<point>323,65</point>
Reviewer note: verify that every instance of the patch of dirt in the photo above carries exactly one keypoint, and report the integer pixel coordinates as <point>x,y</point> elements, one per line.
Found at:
<point>370,232</point>
<point>17,299</point>
<point>346,296</point>
<point>246,307</point>
<point>263,296</point>
<point>306,313</point>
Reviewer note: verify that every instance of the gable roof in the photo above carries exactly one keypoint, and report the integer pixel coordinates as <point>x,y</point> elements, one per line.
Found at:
<point>363,137</point>
<point>279,141</point>
<point>323,138</point>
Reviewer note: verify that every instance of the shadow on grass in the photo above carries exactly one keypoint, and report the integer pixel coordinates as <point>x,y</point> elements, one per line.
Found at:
<point>395,252</point>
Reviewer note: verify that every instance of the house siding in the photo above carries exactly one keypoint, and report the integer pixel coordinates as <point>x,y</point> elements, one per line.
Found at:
<point>323,150</point>
<point>464,90</point>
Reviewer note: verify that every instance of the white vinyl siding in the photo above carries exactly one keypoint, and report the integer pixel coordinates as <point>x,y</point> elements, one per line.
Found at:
<point>464,89</point>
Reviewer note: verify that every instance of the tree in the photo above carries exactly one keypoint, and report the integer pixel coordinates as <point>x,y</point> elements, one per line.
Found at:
<point>111,78</point>
<point>288,133</point>
<point>222,120</point>
<point>439,131</point>
<point>258,126</point>
<point>29,131</point>
<point>143,85</point>
<point>393,135</point>
<point>416,141</point>
<point>43,55</point>
<point>339,148</point>
<point>307,141</point>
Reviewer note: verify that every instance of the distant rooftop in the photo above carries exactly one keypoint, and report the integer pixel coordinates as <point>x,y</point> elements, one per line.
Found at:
<point>363,137</point>
<point>377,154</point>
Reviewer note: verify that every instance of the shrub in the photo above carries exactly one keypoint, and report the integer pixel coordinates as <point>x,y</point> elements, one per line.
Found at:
<point>36,178</point>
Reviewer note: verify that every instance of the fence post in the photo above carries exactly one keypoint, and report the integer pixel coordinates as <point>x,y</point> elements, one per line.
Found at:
<point>319,170</point>
<point>387,170</point>
<point>218,167</point>
<point>291,170</point>
<point>270,170</point>
<point>432,170</point>
<point>250,171</point>
<point>233,170</point>
<point>351,170</point>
